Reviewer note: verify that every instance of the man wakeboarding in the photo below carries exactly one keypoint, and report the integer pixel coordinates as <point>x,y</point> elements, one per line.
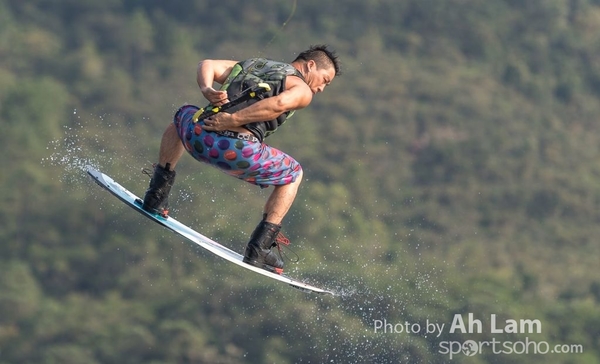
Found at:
<point>256,97</point>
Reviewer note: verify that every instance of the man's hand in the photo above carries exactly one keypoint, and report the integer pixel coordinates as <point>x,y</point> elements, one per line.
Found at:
<point>215,97</point>
<point>219,122</point>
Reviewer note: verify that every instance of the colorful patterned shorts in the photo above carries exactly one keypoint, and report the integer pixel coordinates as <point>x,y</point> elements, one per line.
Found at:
<point>251,161</point>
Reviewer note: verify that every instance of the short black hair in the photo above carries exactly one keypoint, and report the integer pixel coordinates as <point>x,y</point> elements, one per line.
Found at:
<point>322,55</point>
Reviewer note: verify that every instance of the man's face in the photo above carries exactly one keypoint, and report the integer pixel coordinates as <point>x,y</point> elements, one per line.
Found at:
<point>318,78</point>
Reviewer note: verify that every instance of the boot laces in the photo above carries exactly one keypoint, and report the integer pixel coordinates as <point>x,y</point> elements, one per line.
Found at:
<point>148,172</point>
<point>282,240</point>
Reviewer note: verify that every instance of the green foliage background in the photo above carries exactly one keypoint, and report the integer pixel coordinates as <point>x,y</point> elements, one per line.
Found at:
<point>452,169</point>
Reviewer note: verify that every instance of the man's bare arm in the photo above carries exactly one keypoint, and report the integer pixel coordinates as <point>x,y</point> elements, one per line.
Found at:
<point>210,71</point>
<point>297,96</point>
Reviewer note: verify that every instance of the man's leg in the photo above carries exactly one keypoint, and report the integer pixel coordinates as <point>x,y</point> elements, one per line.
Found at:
<point>281,200</point>
<point>258,251</point>
<point>156,198</point>
<point>171,148</point>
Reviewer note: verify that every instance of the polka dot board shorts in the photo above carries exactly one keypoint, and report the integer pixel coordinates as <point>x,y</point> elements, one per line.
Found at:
<point>251,161</point>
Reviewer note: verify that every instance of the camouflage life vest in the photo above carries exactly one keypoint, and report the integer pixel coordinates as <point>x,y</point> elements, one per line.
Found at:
<point>250,72</point>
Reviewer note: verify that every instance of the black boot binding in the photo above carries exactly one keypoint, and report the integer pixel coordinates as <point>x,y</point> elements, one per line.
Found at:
<point>258,251</point>
<point>156,199</point>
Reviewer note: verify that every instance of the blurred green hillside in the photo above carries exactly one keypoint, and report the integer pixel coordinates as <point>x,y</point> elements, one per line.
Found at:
<point>453,168</point>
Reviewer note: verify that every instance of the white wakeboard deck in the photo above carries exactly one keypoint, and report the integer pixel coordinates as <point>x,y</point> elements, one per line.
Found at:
<point>170,223</point>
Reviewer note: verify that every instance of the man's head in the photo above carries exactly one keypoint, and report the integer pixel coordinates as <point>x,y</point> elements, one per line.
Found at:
<point>319,66</point>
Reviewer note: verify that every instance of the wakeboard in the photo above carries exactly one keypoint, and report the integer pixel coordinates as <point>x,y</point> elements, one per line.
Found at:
<point>172,224</point>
